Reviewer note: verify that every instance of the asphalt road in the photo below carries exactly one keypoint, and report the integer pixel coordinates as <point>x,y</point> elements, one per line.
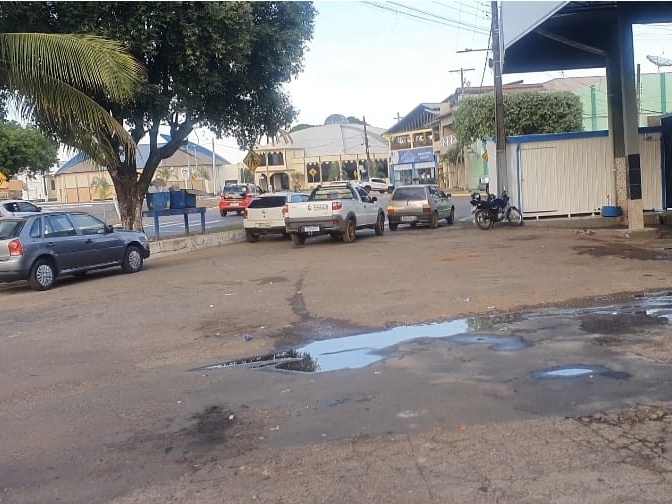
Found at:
<point>105,398</point>
<point>174,225</point>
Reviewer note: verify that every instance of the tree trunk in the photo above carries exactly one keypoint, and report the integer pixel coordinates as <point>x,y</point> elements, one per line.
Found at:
<point>130,199</point>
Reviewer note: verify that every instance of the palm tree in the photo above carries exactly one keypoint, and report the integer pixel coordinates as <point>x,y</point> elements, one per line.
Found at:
<point>164,173</point>
<point>104,186</point>
<point>203,173</point>
<point>54,77</point>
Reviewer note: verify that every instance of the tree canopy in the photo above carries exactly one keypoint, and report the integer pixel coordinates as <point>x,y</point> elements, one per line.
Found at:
<point>219,65</point>
<point>25,150</point>
<point>525,114</point>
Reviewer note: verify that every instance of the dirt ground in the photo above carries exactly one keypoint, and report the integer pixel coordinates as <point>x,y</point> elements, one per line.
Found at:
<point>98,403</point>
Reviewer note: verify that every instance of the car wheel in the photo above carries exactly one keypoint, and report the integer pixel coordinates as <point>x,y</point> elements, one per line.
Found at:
<point>298,239</point>
<point>334,236</point>
<point>133,260</point>
<point>393,226</point>
<point>222,213</point>
<point>251,237</point>
<point>380,224</point>
<point>451,217</point>
<point>350,229</point>
<point>42,275</point>
<point>434,221</point>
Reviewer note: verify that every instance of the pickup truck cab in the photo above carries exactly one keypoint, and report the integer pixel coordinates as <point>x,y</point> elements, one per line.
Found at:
<point>334,208</point>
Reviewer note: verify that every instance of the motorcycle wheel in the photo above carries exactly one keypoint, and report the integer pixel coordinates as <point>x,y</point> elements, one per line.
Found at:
<point>483,220</point>
<point>514,216</point>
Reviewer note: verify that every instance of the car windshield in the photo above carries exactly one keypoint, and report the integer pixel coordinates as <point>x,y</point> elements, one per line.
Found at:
<point>268,202</point>
<point>10,228</point>
<point>409,194</point>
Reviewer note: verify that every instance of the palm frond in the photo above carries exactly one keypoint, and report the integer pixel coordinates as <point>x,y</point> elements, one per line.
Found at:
<point>74,117</point>
<point>87,62</point>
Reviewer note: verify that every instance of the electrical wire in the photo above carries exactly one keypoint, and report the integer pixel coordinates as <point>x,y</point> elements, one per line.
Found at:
<point>456,22</point>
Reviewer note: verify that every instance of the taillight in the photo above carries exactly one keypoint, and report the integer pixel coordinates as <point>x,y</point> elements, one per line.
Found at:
<point>245,214</point>
<point>15,247</point>
<point>336,205</point>
<point>426,208</point>
<point>285,211</point>
<point>390,210</point>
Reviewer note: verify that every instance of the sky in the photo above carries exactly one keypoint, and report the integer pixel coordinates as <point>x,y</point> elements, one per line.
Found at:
<point>371,62</point>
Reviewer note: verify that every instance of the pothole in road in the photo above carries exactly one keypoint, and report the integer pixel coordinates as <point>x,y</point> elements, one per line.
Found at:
<point>361,350</point>
<point>578,371</point>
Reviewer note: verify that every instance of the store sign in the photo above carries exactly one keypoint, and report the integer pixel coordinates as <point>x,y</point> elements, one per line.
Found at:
<point>419,155</point>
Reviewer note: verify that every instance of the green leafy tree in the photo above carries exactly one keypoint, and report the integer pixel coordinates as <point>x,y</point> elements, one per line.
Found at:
<point>103,187</point>
<point>525,114</point>
<point>54,77</point>
<point>219,65</point>
<point>202,173</point>
<point>354,120</point>
<point>25,150</point>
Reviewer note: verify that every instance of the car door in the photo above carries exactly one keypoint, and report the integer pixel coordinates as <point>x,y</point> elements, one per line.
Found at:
<point>66,246</point>
<point>26,208</point>
<point>103,246</point>
<point>438,202</point>
<point>369,209</point>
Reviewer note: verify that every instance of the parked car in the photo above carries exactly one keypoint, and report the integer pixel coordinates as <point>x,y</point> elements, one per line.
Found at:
<point>236,197</point>
<point>41,247</point>
<point>17,208</point>
<point>424,203</point>
<point>334,208</point>
<point>264,214</point>
<point>377,184</point>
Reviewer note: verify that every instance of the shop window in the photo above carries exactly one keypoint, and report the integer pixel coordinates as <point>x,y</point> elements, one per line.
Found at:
<point>313,173</point>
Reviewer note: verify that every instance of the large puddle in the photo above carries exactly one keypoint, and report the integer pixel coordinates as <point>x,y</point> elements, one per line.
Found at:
<point>361,350</point>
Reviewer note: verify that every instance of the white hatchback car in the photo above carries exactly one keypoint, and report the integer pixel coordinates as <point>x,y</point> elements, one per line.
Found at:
<point>376,184</point>
<point>264,214</point>
<point>17,208</point>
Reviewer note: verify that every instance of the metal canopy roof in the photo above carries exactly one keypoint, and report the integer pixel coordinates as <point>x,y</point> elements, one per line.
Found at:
<point>541,36</point>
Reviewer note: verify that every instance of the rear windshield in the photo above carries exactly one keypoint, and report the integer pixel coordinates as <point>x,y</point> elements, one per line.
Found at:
<point>332,193</point>
<point>409,194</point>
<point>268,202</point>
<point>234,190</point>
<point>10,228</point>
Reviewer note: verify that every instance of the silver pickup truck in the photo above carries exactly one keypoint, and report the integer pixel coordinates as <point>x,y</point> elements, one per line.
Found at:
<point>334,208</point>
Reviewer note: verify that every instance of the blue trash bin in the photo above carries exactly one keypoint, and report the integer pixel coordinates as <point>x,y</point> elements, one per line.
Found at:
<point>158,200</point>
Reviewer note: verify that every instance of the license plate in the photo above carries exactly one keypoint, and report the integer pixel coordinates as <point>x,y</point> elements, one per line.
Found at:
<point>408,218</point>
<point>263,224</point>
<point>234,204</point>
<point>310,229</point>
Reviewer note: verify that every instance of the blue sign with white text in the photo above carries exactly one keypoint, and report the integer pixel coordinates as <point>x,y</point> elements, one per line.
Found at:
<point>419,155</point>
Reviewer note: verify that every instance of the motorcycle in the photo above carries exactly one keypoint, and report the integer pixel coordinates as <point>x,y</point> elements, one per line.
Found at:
<point>494,209</point>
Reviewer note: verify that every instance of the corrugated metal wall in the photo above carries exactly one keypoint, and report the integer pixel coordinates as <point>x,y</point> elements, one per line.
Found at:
<point>573,176</point>
<point>652,178</point>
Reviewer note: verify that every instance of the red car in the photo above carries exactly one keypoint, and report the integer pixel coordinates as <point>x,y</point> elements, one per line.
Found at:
<point>236,197</point>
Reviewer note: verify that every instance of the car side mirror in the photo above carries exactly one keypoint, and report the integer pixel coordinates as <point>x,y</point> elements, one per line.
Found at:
<point>448,195</point>
<point>374,199</point>
<point>109,228</point>
<point>39,208</point>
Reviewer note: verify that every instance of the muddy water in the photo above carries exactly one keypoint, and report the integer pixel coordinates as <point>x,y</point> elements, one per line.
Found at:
<point>498,333</point>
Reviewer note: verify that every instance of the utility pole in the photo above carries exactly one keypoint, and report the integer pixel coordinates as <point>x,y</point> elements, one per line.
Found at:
<point>215,187</point>
<point>399,118</point>
<point>368,154</point>
<point>499,102</point>
<point>461,70</point>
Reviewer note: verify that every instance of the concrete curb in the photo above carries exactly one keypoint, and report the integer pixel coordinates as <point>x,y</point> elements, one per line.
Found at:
<point>163,248</point>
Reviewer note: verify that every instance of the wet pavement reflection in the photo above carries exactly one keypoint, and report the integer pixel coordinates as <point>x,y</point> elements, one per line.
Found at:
<point>504,334</point>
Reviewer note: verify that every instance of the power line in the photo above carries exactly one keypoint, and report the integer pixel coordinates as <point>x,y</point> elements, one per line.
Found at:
<point>457,22</point>
<point>408,14</point>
